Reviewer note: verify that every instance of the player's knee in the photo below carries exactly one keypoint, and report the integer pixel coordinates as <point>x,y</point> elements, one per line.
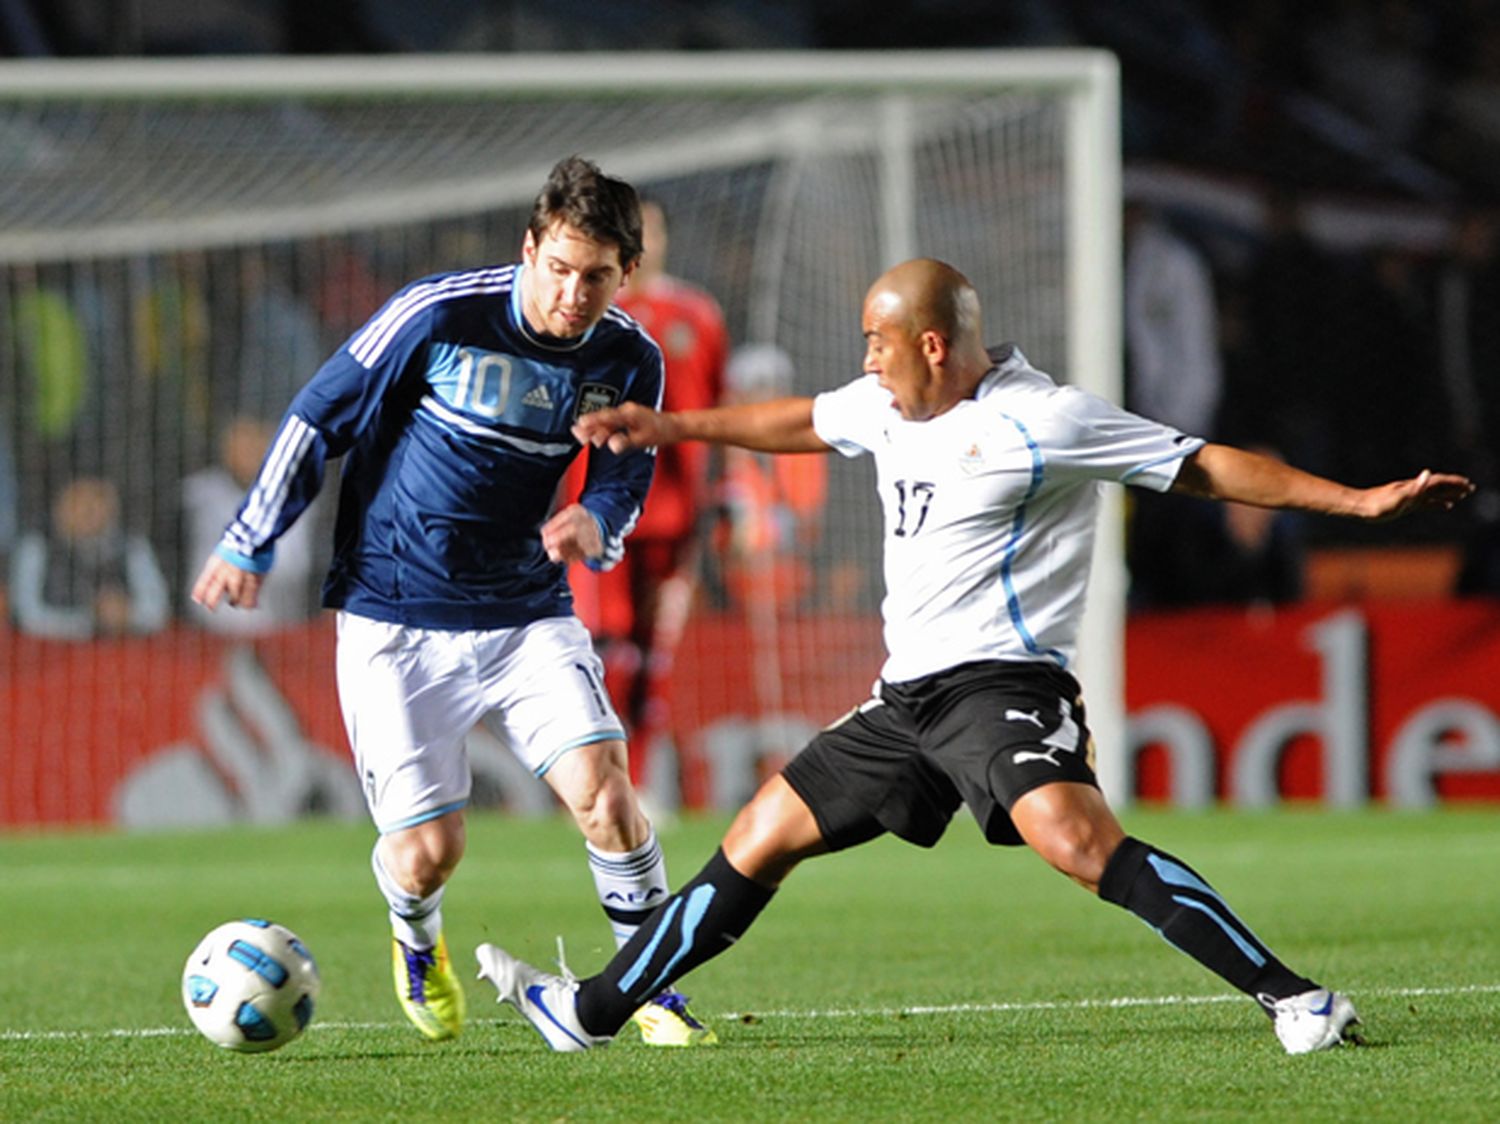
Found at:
<point>421,860</point>
<point>1069,855</point>
<point>1079,850</point>
<point>609,814</point>
<point>772,834</point>
<point>420,871</point>
<point>1071,827</point>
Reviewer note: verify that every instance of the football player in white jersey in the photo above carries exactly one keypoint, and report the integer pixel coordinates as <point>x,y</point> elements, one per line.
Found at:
<point>988,473</point>
<point>453,407</point>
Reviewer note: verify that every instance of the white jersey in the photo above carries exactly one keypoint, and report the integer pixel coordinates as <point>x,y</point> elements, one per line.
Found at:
<point>990,510</point>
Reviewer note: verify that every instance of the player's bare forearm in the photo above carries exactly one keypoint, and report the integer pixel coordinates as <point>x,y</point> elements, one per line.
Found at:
<point>783,425</point>
<point>1223,472</point>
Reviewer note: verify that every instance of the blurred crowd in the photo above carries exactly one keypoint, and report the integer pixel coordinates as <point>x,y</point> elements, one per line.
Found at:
<point>150,389</point>
<point>1312,255</point>
<point>1403,94</point>
<point>1365,363</point>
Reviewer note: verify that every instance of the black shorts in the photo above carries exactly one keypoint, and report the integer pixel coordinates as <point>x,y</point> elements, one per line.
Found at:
<point>982,734</point>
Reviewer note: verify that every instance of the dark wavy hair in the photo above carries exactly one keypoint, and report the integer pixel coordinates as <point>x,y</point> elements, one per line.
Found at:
<point>604,208</point>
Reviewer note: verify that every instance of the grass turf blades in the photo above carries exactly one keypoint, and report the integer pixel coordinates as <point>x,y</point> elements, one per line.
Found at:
<point>888,983</point>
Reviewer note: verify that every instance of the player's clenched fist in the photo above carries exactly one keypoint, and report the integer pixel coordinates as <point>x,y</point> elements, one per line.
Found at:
<point>224,581</point>
<point>572,535</point>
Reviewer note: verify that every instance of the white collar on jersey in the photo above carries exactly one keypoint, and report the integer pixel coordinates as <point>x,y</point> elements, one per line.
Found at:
<point>540,339</point>
<point>1005,358</point>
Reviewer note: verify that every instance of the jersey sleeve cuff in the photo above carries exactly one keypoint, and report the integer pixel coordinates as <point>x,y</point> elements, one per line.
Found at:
<point>258,563</point>
<point>606,558</point>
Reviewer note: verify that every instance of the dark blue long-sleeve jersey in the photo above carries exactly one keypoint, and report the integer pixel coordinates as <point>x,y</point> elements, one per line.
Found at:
<point>455,416</point>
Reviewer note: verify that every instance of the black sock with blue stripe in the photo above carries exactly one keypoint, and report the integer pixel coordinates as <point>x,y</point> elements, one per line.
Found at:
<point>694,925</point>
<point>1188,913</point>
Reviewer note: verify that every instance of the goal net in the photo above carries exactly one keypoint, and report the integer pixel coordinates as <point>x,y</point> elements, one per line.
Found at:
<point>183,241</point>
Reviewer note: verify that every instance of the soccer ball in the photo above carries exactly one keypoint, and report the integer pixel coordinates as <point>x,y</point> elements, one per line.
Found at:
<point>250,986</point>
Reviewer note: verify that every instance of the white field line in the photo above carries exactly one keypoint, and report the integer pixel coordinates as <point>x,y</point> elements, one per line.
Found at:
<point>832,1013</point>
<point>1095,1004</point>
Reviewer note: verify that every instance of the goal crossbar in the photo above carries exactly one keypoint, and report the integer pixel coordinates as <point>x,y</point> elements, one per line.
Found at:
<point>835,89</point>
<point>562,75</point>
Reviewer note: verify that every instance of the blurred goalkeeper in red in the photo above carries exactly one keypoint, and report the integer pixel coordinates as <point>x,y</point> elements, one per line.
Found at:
<point>637,611</point>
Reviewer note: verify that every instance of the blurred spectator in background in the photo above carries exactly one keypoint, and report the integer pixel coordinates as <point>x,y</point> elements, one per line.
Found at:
<point>280,337</point>
<point>171,332</point>
<point>52,348</point>
<point>1267,323</point>
<point>1370,60</point>
<point>1393,406</point>
<point>1479,562</point>
<point>210,498</point>
<point>770,507</point>
<point>1273,329</point>
<point>1173,371</point>
<point>638,610</point>
<point>88,577</point>
<point>770,511</point>
<point>1468,319</point>
<point>1186,551</point>
<point>348,289</point>
<point>9,512</point>
<point>1468,125</point>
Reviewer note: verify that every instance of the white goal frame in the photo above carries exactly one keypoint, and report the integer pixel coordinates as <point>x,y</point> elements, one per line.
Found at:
<point>1088,80</point>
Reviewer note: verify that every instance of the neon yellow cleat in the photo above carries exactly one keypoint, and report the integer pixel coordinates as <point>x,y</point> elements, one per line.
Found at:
<point>666,1021</point>
<point>428,989</point>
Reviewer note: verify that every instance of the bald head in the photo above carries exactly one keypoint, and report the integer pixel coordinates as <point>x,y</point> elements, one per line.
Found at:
<point>927,295</point>
<point>923,336</point>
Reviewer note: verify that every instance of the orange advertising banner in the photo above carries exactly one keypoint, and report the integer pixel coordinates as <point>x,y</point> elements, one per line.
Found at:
<point>1391,702</point>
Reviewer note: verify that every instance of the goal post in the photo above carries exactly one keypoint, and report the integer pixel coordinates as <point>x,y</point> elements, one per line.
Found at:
<point>183,239</point>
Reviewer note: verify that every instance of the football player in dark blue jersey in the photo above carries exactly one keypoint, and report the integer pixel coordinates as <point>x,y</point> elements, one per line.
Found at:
<point>453,408</point>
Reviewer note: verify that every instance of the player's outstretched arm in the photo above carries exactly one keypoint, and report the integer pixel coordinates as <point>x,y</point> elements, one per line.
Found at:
<point>783,425</point>
<point>1223,472</point>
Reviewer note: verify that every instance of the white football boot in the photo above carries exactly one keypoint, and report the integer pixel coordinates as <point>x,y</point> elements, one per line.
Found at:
<point>1315,1020</point>
<point>546,1000</point>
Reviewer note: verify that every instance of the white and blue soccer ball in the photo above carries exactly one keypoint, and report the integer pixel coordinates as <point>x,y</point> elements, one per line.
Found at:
<point>250,986</point>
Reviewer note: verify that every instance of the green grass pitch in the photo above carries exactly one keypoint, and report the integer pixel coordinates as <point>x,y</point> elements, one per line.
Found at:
<point>886,984</point>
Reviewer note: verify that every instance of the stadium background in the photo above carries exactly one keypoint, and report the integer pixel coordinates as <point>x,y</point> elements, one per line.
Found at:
<point>1329,166</point>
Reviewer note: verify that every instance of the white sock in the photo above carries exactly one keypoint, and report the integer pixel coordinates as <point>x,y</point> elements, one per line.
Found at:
<point>630,884</point>
<point>415,922</point>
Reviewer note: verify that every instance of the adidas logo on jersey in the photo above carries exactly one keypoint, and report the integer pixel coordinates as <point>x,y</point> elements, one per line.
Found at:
<point>537,396</point>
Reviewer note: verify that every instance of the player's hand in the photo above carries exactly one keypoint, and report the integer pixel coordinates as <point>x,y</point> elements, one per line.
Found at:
<point>572,535</point>
<point>224,581</point>
<point>626,426</point>
<point>1426,489</point>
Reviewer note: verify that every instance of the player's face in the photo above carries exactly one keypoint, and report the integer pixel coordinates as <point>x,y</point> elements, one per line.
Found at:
<point>570,280</point>
<point>898,359</point>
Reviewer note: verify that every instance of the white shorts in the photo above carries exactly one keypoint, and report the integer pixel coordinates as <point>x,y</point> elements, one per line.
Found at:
<point>410,696</point>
